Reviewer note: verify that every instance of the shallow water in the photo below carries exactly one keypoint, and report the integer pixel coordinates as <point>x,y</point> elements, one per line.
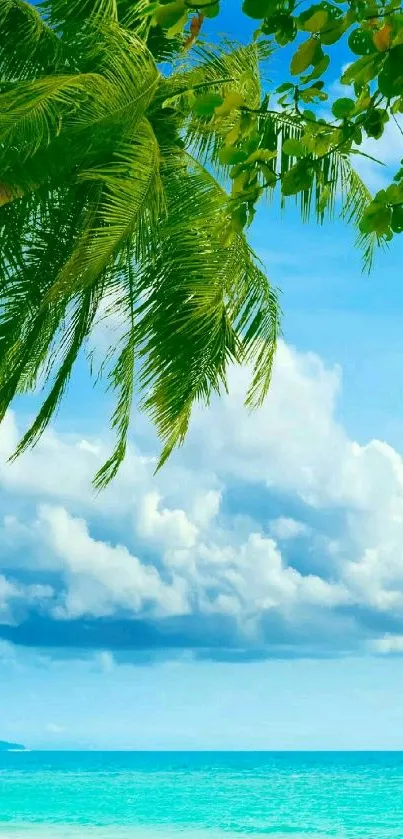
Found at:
<point>63,795</point>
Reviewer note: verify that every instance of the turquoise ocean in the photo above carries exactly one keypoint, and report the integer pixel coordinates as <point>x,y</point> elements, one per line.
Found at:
<point>201,795</point>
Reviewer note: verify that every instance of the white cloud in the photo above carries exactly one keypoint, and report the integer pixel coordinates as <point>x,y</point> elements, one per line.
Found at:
<point>388,150</point>
<point>7,591</point>
<point>13,594</point>
<point>202,556</point>
<point>101,577</point>
<point>165,526</point>
<point>387,644</point>
<point>206,507</point>
<point>285,528</point>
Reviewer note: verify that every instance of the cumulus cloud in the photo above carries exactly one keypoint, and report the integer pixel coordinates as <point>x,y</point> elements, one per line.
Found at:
<point>14,595</point>
<point>387,644</point>
<point>285,528</point>
<point>210,554</point>
<point>101,578</point>
<point>171,528</point>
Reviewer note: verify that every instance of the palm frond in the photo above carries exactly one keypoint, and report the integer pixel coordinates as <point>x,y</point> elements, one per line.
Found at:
<point>65,14</point>
<point>121,378</point>
<point>107,195</point>
<point>253,307</point>
<point>193,322</point>
<point>355,196</point>
<point>129,208</point>
<point>28,46</point>
<point>70,342</point>
<point>50,128</point>
<point>223,68</point>
<point>27,327</point>
<point>121,204</point>
<point>32,113</point>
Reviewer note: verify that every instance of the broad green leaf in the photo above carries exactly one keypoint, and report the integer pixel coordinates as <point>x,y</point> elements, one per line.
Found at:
<point>169,14</point>
<point>238,183</point>
<point>318,70</point>
<point>286,32</point>
<point>297,179</point>
<point>332,32</point>
<point>282,26</point>
<point>310,94</point>
<point>376,219</point>
<point>261,156</point>
<point>316,22</point>
<point>239,217</point>
<point>361,42</point>
<point>229,155</point>
<point>374,122</point>
<point>268,174</point>
<point>304,56</point>
<point>233,135</point>
<point>294,148</point>
<point>397,107</point>
<point>363,70</point>
<point>397,219</point>
<point>343,108</point>
<point>212,10</point>
<point>178,27</point>
<point>206,104</point>
<point>333,12</point>
<point>394,194</point>
<point>257,9</point>
<point>285,87</point>
<point>390,80</point>
<point>231,100</point>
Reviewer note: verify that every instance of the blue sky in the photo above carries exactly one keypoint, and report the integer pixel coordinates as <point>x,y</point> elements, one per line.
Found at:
<point>250,596</point>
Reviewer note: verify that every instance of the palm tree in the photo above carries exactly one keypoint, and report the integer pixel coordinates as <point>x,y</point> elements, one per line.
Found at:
<point>110,209</point>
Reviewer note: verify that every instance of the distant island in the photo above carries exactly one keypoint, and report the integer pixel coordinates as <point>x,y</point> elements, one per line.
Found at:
<point>10,747</point>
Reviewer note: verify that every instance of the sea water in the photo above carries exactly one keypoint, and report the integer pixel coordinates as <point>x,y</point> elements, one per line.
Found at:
<point>201,795</point>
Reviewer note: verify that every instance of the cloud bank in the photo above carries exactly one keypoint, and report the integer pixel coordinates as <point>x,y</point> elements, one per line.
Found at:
<point>269,535</point>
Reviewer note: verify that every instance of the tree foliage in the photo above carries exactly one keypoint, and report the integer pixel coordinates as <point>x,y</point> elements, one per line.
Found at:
<point>108,213</point>
<point>125,192</point>
<point>368,34</point>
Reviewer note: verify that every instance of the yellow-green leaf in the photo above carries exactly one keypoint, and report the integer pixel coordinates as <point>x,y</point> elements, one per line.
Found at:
<point>206,104</point>
<point>232,135</point>
<point>167,15</point>
<point>229,156</point>
<point>178,27</point>
<point>316,22</point>
<point>303,57</point>
<point>261,155</point>
<point>294,148</point>
<point>231,100</point>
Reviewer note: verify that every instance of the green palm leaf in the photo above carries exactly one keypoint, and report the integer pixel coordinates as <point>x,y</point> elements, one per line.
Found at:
<point>28,46</point>
<point>108,204</point>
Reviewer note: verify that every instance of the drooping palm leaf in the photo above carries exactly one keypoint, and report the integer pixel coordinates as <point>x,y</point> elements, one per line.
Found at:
<point>107,194</point>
